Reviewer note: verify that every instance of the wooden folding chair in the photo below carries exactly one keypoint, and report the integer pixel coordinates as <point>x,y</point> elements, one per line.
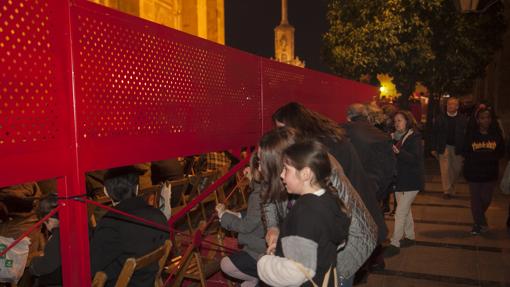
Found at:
<point>206,178</point>
<point>191,265</point>
<point>132,264</point>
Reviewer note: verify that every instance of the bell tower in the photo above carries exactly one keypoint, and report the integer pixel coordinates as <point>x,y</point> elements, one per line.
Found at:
<point>284,40</point>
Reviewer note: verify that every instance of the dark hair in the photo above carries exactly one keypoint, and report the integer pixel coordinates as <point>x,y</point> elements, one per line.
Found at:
<point>121,183</point>
<point>254,167</point>
<point>494,128</point>
<point>46,205</point>
<point>313,155</point>
<point>310,124</point>
<point>271,146</point>
<point>410,120</point>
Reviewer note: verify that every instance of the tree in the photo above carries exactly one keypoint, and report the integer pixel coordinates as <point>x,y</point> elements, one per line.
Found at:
<point>411,40</point>
<point>463,45</point>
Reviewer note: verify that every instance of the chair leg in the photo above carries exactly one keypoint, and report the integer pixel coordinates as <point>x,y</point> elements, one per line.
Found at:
<point>200,269</point>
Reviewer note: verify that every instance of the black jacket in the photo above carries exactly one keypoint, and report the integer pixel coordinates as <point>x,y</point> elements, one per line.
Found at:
<point>482,154</point>
<point>410,165</point>
<point>344,152</point>
<point>48,268</point>
<point>117,238</point>
<point>314,221</point>
<point>373,147</point>
<point>440,133</point>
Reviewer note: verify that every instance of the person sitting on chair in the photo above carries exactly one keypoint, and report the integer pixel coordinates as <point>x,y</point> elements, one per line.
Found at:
<point>48,268</point>
<point>118,237</point>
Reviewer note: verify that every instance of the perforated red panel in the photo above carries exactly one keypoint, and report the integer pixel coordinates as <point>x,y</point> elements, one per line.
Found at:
<point>321,92</point>
<point>33,107</point>
<point>147,86</point>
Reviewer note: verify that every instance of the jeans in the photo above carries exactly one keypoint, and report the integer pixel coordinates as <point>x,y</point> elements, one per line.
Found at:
<point>481,197</point>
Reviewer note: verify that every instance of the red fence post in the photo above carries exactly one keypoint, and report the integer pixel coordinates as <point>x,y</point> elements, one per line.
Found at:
<point>74,239</point>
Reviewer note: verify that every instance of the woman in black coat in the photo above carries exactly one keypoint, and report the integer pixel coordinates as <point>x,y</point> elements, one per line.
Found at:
<point>408,149</point>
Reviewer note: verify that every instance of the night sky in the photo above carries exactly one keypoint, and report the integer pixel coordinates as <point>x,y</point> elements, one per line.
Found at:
<point>249,26</point>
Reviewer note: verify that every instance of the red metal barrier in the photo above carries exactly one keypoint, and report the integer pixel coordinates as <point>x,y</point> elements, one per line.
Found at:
<point>85,87</point>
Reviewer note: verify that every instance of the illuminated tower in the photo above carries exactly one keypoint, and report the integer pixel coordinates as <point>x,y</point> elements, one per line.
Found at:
<point>284,40</point>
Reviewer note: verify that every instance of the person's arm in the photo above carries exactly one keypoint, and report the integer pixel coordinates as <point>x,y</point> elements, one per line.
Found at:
<point>232,222</point>
<point>279,271</point>
<point>300,251</point>
<point>250,221</point>
<point>500,148</point>
<point>270,213</point>
<point>412,151</point>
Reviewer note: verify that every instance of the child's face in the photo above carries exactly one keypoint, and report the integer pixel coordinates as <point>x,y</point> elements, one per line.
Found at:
<point>292,179</point>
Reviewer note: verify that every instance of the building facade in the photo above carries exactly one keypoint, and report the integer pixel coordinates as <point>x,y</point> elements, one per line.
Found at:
<point>202,18</point>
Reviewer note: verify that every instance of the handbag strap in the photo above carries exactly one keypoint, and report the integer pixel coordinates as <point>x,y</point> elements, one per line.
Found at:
<point>309,278</point>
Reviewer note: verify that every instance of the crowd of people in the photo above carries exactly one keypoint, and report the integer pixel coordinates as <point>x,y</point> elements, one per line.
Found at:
<point>318,193</point>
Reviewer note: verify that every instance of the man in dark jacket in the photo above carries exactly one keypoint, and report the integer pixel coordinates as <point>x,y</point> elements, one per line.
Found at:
<point>117,237</point>
<point>447,143</point>
<point>373,148</point>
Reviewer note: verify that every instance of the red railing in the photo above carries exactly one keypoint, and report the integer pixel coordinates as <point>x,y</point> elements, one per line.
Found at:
<point>85,87</point>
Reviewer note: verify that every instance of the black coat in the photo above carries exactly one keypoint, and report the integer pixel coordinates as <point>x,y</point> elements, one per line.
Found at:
<point>373,147</point>
<point>344,152</point>
<point>440,133</point>
<point>117,238</point>
<point>410,164</point>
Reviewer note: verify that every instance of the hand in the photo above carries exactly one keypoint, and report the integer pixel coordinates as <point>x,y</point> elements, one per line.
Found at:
<point>395,149</point>
<point>271,249</point>
<point>220,209</point>
<point>272,237</point>
<point>434,153</point>
<point>247,172</point>
<point>51,223</point>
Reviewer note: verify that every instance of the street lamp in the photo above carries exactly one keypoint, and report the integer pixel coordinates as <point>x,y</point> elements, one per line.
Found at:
<point>471,6</point>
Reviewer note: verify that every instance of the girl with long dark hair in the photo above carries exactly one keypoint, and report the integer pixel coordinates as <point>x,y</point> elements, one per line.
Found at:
<point>313,125</point>
<point>315,227</point>
<point>362,231</point>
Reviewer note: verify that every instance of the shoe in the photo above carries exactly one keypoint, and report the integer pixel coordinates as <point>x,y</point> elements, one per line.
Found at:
<point>447,196</point>
<point>406,242</point>
<point>391,251</point>
<point>484,228</point>
<point>377,267</point>
<point>477,230</point>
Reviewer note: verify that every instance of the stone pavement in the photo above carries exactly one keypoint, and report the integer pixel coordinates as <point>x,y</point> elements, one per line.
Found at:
<point>445,253</point>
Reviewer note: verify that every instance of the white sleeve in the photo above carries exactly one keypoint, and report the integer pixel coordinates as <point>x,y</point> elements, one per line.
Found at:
<point>279,271</point>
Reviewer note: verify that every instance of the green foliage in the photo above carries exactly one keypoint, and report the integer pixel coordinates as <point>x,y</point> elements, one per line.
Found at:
<point>412,40</point>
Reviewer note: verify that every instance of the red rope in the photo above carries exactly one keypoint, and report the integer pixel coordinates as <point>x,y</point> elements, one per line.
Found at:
<point>30,230</point>
<point>207,191</point>
<point>154,224</point>
<point>142,220</point>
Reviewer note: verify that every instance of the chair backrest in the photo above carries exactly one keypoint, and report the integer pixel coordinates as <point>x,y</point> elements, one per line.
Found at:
<point>99,279</point>
<point>132,264</point>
